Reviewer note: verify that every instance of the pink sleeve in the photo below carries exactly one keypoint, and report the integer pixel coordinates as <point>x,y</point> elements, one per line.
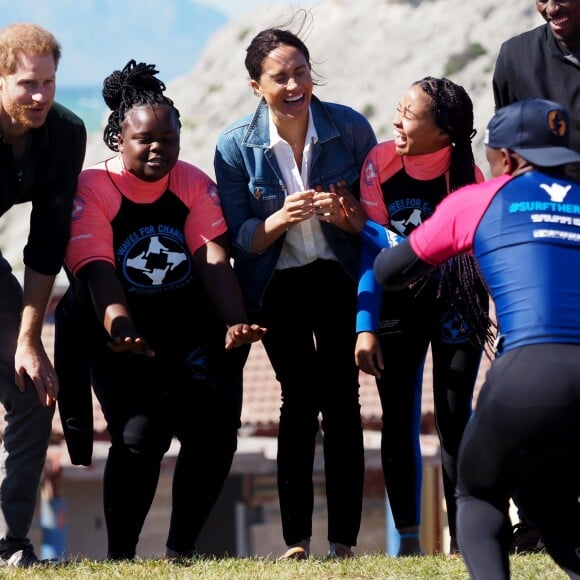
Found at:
<point>205,220</point>
<point>95,205</point>
<point>381,163</point>
<point>451,228</point>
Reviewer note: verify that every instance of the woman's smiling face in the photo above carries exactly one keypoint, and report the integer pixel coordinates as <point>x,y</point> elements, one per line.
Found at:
<point>415,130</point>
<point>286,84</point>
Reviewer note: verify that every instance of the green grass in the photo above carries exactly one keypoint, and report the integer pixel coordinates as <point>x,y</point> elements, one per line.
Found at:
<point>529,567</point>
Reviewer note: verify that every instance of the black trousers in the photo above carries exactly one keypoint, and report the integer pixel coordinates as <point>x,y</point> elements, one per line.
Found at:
<point>146,403</point>
<point>310,316</point>
<point>411,321</point>
<point>524,439</point>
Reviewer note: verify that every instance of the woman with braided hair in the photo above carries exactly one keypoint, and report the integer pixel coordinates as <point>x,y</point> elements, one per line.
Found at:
<point>403,181</point>
<point>148,254</point>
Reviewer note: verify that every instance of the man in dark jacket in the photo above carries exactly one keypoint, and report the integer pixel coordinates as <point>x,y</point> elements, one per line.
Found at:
<point>42,149</point>
<point>545,63</point>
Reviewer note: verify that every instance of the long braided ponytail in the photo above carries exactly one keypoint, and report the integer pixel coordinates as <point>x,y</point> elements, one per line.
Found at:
<point>461,281</point>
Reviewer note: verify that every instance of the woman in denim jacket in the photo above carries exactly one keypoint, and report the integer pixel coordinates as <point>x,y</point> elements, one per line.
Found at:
<point>284,174</point>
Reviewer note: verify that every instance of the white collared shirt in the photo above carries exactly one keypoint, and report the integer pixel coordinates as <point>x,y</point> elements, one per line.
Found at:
<point>305,241</point>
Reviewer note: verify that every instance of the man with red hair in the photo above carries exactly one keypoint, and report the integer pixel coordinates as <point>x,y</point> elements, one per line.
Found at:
<point>42,149</point>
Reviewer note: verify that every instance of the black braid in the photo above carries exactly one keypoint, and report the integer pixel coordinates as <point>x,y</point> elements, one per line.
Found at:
<point>124,89</point>
<point>461,281</point>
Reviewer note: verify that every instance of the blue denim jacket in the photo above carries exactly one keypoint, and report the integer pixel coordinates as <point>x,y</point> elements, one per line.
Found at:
<point>251,186</point>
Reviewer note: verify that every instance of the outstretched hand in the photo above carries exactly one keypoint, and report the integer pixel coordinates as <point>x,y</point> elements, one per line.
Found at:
<point>239,334</point>
<point>134,344</point>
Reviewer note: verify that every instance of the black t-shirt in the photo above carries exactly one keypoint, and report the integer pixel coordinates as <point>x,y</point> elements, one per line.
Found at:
<point>48,180</point>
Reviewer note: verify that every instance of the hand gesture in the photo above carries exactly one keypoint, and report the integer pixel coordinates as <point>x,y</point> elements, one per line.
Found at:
<point>327,207</point>
<point>135,344</point>
<point>368,354</point>
<point>340,207</point>
<point>353,209</point>
<point>298,207</point>
<point>32,365</point>
<point>239,334</point>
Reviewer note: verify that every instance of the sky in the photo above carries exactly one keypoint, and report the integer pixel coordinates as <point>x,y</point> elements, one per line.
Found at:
<point>99,36</point>
<point>235,8</point>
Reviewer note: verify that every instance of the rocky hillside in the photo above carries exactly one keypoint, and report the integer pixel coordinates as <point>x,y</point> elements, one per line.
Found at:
<point>366,54</point>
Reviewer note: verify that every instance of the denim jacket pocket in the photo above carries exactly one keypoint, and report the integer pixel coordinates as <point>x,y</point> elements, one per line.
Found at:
<point>266,198</point>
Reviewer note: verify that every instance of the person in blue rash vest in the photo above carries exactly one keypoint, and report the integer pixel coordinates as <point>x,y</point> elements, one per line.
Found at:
<point>523,228</point>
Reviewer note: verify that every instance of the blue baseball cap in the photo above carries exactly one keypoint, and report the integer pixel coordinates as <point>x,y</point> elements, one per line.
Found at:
<point>536,129</point>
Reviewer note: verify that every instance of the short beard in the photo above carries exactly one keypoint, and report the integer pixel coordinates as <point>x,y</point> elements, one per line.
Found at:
<point>19,114</point>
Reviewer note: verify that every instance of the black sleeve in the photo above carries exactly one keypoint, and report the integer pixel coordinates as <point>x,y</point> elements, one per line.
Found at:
<point>503,86</point>
<point>395,267</point>
<point>499,82</point>
<point>71,361</point>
